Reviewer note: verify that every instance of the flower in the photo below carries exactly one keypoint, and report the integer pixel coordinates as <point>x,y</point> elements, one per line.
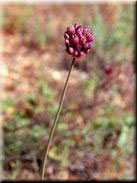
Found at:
<point>78,40</point>
<point>108,69</point>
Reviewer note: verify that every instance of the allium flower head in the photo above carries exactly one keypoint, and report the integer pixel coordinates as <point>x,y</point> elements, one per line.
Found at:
<point>78,40</point>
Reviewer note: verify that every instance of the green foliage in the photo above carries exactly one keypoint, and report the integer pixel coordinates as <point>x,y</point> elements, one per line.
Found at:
<point>36,132</point>
<point>97,25</point>
<point>115,42</point>
<point>31,100</point>
<point>111,124</point>
<point>40,34</point>
<point>19,120</point>
<point>62,126</point>
<point>19,124</point>
<point>89,85</point>
<point>23,18</point>
<point>47,92</point>
<point>6,102</point>
<point>52,110</point>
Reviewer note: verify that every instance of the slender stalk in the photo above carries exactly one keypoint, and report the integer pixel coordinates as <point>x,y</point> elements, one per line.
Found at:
<point>56,119</point>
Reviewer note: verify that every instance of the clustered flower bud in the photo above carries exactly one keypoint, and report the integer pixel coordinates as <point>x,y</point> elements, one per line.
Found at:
<point>78,40</point>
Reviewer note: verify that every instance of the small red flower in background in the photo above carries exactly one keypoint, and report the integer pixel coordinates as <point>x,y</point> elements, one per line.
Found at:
<point>78,40</point>
<point>108,69</point>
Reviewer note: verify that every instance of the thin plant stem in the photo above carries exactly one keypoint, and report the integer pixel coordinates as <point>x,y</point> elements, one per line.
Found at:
<point>56,119</point>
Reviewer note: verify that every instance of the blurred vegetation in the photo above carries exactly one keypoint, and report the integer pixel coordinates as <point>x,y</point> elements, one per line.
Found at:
<point>108,129</point>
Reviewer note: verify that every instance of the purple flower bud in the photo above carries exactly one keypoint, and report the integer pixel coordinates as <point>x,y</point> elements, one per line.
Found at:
<point>88,45</point>
<point>86,31</point>
<point>77,26</point>
<point>70,50</point>
<point>80,29</point>
<point>81,54</point>
<point>67,42</point>
<point>93,37</point>
<point>79,34</point>
<point>87,51</point>
<point>90,37</point>
<point>78,46</point>
<point>82,40</point>
<point>75,40</point>
<point>71,30</point>
<point>66,36</point>
<point>75,53</point>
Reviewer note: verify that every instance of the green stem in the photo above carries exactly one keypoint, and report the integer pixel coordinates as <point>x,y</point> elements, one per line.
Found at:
<point>56,119</point>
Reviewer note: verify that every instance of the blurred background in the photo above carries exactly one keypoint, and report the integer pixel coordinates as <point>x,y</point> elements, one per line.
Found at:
<point>94,138</point>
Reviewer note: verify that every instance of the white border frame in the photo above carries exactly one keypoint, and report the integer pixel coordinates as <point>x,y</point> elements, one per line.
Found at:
<point>2,2</point>
<point>65,1</point>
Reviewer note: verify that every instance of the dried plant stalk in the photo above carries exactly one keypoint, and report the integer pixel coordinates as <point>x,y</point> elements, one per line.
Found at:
<point>56,119</point>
